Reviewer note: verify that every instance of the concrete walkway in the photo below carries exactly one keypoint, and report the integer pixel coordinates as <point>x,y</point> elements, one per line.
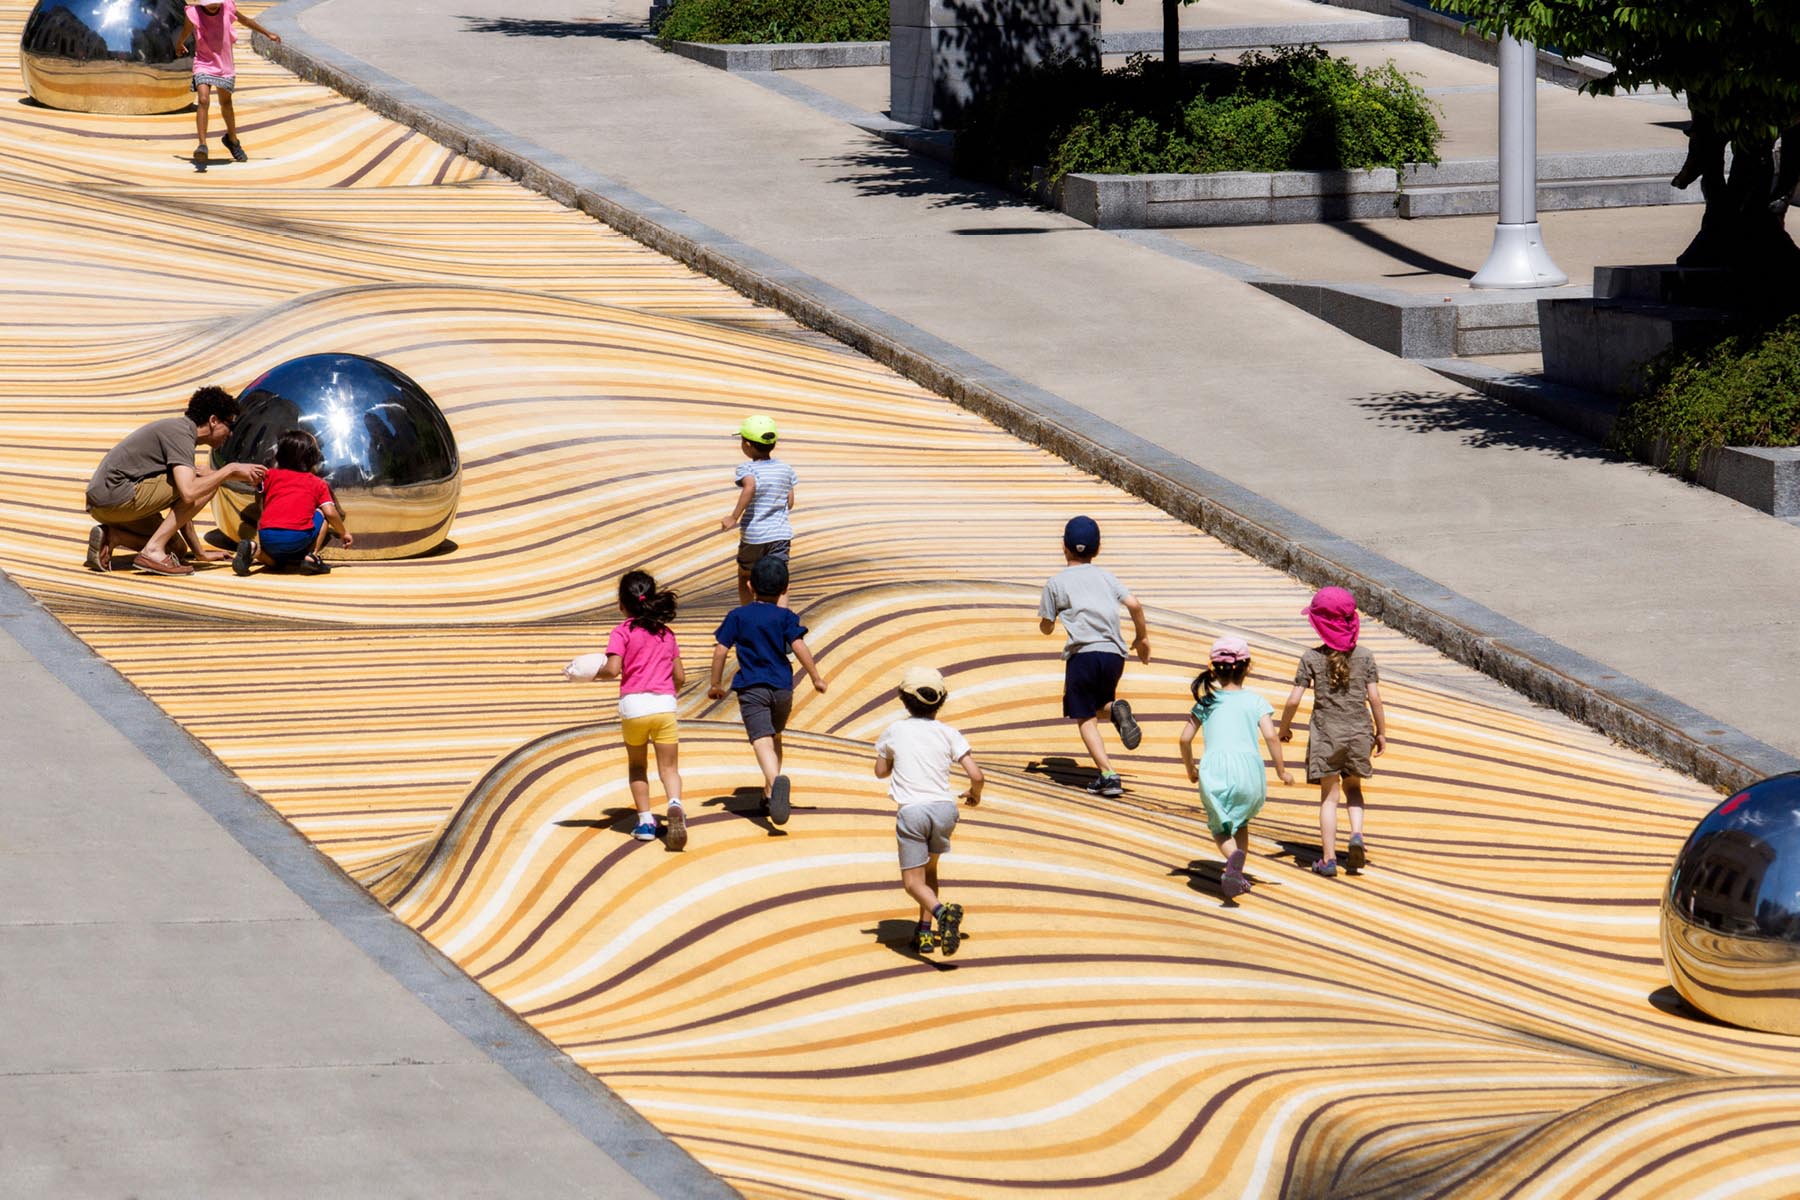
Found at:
<point>1622,579</point>
<point>196,1003</point>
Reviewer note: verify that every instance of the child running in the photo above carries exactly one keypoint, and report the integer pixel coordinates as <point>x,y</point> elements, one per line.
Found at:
<point>296,509</point>
<point>1233,784</point>
<point>1343,678</point>
<point>763,632</point>
<point>642,655</point>
<point>765,497</point>
<point>1086,599</point>
<point>914,756</point>
<point>215,67</point>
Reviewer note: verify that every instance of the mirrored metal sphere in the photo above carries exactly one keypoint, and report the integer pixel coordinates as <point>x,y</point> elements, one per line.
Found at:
<point>390,457</point>
<point>106,56</point>
<point>1731,914</point>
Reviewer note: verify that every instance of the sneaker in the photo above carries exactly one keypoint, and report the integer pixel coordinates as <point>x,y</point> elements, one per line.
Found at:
<point>200,156</point>
<point>1232,883</point>
<point>949,937</point>
<point>1108,784</point>
<point>1126,724</point>
<point>646,830</point>
<point>1326,867</point>
<point>779,807</point>
<point>1355,856</point>
<point>677,828</point>
<point>237,150</point>
<point>923,940</point>
<point>99,549</point>
<point>246,554</point>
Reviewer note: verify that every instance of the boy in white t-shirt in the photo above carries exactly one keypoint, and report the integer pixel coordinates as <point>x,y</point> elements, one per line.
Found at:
<point>914,756</point>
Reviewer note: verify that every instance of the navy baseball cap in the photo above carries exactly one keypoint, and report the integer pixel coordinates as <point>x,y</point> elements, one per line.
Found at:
<point>1082,535</point>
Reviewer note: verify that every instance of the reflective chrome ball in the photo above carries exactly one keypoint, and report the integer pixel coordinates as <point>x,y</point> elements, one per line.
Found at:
<point>106,56</point>
<point>1731,914</point>
<point>390,456</point>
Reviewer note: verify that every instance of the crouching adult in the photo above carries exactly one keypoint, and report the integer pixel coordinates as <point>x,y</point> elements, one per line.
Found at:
<point>146,492</point>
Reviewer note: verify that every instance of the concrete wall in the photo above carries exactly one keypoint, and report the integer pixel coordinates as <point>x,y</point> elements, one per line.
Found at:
<point>944,53</point>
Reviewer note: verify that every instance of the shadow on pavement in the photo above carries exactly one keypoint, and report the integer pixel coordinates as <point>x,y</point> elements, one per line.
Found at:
<point>1399,251</point>
<point>1486,423</point>
<point>618,31</point>
<point>891,171</point>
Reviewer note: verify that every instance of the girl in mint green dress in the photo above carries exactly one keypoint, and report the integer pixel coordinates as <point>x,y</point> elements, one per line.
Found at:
<point>1233,782</point>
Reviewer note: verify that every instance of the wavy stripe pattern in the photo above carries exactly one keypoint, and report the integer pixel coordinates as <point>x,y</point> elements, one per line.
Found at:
<point>1482,1014</point>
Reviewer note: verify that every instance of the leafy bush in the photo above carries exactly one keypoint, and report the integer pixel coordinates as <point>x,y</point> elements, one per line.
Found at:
<point>741,21</point>
<point>1744,391</point>
<point>1295,109</point>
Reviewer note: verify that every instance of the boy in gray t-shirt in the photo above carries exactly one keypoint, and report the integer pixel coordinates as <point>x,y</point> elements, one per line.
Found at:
<point>1086,599</point>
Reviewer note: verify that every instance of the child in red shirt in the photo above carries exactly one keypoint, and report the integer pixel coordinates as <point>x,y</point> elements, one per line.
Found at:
<point>296,508</point>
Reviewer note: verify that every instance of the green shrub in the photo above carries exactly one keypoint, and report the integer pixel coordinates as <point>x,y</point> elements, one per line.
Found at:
<point>742,21</point>
<point>1744,391</point>
<point>1295,109</point>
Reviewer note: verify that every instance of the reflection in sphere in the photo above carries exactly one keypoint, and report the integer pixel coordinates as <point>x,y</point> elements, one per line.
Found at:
<point>390,457</point>
<point>1731,915</point>
<point>106,56</point>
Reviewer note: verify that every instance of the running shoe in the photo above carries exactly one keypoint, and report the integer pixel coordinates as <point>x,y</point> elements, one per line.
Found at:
<point>1355,857</point>
<point>677,828</point>
<point>779,795</point>
<point>246,554</point>
<point>1108,784</point>
<point>1126,724</point>
<point>949,917</point>
<point>646,830</point>
<point>1326,867</point>
<point>924,941</point>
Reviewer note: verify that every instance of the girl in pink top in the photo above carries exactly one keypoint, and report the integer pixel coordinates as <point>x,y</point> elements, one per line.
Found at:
<point>210,25</point>
<point>642,655</point>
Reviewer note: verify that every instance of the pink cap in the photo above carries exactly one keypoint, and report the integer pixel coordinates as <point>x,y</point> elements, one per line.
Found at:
<point>1229,649</point>
<point>1333,615</point>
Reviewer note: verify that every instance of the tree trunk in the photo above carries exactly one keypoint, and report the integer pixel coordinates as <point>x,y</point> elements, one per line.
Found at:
<point>1171,36</point>
<point>1743,226</point>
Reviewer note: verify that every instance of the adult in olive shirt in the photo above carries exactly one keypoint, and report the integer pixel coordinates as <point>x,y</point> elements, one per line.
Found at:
<point>146,488</point>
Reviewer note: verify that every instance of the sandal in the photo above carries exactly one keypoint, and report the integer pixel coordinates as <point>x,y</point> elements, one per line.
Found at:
<point>99,549</point>
<point>166,565</point>
<point>237,150</point>
<point>246,554</point>
<point>312,564</point>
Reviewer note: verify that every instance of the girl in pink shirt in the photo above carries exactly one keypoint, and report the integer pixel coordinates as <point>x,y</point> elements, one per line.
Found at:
<point>642,655</point>
<point>210,25</point>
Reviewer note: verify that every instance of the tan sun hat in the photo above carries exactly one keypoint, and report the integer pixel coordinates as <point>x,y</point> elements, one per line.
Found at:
<point>924,684</point>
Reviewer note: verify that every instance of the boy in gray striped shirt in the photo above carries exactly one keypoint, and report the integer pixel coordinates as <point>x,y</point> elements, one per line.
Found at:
<point>765,496</point>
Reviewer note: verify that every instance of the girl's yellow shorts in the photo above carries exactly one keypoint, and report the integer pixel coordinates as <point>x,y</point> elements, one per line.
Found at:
<point>657,727</point>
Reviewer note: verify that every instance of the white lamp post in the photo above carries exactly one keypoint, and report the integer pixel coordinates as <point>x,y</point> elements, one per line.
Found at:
<point>1518,258</point>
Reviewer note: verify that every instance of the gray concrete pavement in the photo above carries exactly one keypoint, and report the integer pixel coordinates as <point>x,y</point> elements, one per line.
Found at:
<point>1647,578</point>
<point>176,1020</point>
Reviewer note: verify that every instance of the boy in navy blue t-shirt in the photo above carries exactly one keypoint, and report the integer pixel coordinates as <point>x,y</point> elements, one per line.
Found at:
<point>763,631</point>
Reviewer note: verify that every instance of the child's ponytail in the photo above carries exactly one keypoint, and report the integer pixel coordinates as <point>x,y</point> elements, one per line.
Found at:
<point>1202,688</point>
<point>650,610</point>
<point>1337,669</point>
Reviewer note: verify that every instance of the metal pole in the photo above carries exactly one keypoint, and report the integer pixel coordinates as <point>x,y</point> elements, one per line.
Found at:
<point>1518,258</point>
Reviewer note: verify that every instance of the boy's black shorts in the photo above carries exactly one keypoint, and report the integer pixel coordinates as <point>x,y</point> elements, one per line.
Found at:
<point>765,710</point>
<point>1090,682</point>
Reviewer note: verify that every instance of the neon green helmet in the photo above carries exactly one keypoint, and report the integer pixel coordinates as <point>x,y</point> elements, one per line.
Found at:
<point>759,429</point>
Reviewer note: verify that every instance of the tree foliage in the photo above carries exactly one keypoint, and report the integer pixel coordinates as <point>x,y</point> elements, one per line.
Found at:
<point>1737,65</point>
<point>1737,61</point>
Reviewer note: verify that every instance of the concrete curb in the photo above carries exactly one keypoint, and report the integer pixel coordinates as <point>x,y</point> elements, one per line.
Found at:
<point>783,56</point>
<point>1246,37</point>
<point>1552,674</point>
<point>568,1089</point>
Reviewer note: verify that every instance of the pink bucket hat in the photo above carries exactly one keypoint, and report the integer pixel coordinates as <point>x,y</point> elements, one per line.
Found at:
<point>1230,649</point>
<point>1333,615</point>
